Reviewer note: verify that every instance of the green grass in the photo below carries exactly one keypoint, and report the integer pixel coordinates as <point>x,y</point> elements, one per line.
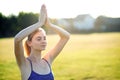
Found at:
<point>85,57</point>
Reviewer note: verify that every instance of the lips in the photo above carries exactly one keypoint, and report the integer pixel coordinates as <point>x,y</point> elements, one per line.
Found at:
<point>43,45</point>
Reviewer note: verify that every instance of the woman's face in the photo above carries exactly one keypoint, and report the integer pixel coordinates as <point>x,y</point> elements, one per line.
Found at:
<point>38,41</point>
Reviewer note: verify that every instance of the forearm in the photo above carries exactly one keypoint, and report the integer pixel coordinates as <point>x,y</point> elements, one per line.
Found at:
<point>64,37</point>
<point>61,32</point>
<point>25,32</point>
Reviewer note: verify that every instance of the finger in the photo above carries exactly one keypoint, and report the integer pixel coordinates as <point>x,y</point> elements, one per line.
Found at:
<point>42,16</point>
<point>41,12</point>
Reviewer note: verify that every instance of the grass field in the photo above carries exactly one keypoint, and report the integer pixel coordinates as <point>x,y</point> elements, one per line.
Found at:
<point>85,57</point>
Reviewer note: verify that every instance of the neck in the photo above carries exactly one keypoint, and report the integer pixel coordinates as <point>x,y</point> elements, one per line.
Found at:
<point>35,55</point>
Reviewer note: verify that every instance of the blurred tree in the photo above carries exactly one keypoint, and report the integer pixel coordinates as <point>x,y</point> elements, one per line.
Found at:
<point>7,25</point>
<point>107,24</point>
<point>3,23</point>
<point>26,19</point>
<point>12,24</point>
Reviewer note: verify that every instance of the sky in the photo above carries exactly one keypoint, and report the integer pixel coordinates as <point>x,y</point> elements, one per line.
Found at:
<point>62,8</point>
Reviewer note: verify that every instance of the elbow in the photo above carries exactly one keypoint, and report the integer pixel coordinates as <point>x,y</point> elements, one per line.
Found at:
<point>67,36</point>
<point>16,39</point>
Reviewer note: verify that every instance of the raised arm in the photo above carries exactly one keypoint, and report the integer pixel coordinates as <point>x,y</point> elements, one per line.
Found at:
<point>25,32</point>
<point>64,37</point>
<point>18,46</point>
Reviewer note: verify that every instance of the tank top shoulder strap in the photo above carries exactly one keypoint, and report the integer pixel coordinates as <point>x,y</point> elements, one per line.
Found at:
<point>47,63</point>
<point>30,63</point>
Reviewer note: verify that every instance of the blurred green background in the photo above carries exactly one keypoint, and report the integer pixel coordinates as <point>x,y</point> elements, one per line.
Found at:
<point>93,51</point>
<point>94,56</point>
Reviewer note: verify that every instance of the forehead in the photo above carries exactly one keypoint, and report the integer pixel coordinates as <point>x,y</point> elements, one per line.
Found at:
<point>39,34</point>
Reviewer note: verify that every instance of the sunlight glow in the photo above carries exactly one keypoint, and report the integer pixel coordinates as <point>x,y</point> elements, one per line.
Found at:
<point>62,8</point>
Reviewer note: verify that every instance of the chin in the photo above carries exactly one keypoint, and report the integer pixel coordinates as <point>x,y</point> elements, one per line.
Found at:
<point>43,49</point>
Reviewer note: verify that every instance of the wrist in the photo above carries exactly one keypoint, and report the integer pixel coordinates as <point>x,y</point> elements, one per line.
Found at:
<point>40,24</point>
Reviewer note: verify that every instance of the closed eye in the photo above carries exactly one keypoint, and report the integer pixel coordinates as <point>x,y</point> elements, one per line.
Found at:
<point>44,37</point>
<point>39,38</point>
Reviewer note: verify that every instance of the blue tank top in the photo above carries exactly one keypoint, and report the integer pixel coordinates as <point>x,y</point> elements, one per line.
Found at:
<point>36,76</point>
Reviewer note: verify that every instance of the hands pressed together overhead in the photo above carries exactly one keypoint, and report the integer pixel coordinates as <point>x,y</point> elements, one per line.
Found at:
<point>43,18</point>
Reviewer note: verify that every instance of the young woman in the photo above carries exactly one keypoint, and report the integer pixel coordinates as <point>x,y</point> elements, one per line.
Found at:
<point>36,66</point>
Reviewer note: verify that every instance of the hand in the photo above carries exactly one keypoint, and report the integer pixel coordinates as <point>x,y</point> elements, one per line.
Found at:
<point>47,21</point>
<point>42,17</point>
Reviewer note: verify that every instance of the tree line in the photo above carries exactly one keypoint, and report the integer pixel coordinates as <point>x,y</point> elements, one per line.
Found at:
<point>11,25</point>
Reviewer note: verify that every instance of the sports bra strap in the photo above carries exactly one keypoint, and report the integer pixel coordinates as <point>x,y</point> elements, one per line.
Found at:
<point>43,59</point>
<point>47,63</point>
<point>30,63</point>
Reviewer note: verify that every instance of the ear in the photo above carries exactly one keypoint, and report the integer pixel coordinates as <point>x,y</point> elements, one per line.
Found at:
<point>29,43</point>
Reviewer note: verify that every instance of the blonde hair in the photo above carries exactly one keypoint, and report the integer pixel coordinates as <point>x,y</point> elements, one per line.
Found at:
<point>30,36</point>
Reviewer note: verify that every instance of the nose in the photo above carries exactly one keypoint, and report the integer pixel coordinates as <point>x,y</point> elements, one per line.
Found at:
<point>44,41</point>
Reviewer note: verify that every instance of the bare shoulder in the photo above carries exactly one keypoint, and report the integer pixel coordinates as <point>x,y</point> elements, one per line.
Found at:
<point>25,70</point>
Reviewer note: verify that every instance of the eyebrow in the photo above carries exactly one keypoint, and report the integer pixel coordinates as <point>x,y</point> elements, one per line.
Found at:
<point>41,36</point>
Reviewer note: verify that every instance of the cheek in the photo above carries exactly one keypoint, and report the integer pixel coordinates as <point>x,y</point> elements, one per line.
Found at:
<point>36,43</point>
